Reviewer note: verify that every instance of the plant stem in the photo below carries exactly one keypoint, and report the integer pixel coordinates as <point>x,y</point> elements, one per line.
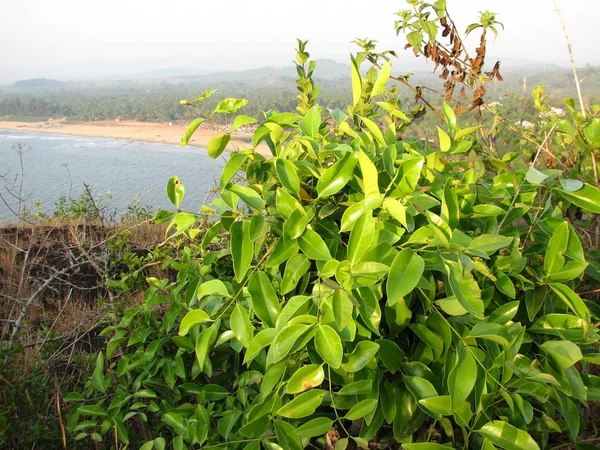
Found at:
<point>569,45</point>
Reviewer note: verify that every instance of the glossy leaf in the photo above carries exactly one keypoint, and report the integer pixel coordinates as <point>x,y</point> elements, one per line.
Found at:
<point>336,176</point>
<point>507,436</point>
<point>264,298</point>
<point>307,377</point>
<point>329,346</point>
<point>217,144</point>
<point>303,405</point>
<point>191,319</point>
<point>405,273</point>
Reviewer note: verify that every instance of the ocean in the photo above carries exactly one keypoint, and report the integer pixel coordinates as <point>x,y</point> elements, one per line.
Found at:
<point>119,170</point>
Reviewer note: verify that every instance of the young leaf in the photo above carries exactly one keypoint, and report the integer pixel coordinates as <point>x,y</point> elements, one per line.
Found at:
<point>382,79</point>
<point>302,406</point>
<point>361,356</point>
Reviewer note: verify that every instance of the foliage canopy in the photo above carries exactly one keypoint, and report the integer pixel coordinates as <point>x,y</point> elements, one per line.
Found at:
<point>359,288</point>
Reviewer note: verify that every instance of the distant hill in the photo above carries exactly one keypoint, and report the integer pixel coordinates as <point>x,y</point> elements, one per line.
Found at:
<point>39,83</point>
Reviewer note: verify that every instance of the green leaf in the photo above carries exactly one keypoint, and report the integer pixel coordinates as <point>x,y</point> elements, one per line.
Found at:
<point>286,171</point>
<point>249,196</point>
<point>217,144</point>
<point>588,198</point>
<point>466,289</point>
<point>329,346</point>
<point>361,409</point>
<point>175,191</point>
<point>192,127</point>
<point>534,176</point>
<point>564,353</point>
<point>397,210</point>
<point>262,339</point>
<point>192,318</point>
<point>445,141</point>
<point>290,308</point>
<point>284,341</point>
<point>202,346</point>
<point>313,246</point>
<point>375,130</point>
<point>507,436</point>
<point>390,355</point>
<point>302,406</point>
<point>311,122</point>
<point>405,273</point>
<point>361,356</point>
<point>287,436</point>
<point>264,299</point>
<point>212,287</point>
<point>242,248</point>
<point>420,388</point>
<point>554,258</point>
<point>425,446</point>
<point>356,81</point>
<point>487,244</point>
<point>357,388</point>
<point>242,120</point>
<point>314,427</point>
<point>231,168</point>
<point>295,269</point>
<point>353,213</point>
<point>230,105</point>
<point>370,175</point>
<point>175,421</point>
<point>284,250</point>
<point>462,378</point>
<point>572,300</point>
<point>98,374</point>
<point>449,115</point>
<point>306,377</point>
<point>361,238</point>
<point>337,176</point>
<point>241,326</point>
<point>382,79</point>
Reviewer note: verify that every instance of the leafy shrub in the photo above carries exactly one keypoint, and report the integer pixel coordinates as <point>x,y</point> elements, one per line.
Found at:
<point>359,289</point>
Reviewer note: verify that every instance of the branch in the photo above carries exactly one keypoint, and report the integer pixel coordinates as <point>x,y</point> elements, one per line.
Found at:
<point>569,46</point>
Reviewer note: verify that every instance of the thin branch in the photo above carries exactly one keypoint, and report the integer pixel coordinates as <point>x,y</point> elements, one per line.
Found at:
<point>569,45</point>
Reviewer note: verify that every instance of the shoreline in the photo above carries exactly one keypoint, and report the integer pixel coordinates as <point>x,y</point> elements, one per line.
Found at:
<point>132,130</point>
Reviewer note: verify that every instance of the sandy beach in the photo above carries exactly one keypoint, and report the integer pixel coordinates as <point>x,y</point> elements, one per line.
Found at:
<point>132,130</point>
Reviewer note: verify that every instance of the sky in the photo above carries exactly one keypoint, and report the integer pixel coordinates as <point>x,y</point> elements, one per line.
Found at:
<point>70,39</point>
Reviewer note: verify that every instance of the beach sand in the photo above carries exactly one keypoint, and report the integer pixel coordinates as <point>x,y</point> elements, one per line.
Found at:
<point>135,131</point>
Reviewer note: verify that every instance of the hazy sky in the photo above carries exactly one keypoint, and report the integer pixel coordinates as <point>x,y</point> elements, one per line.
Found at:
<point>78,38</point>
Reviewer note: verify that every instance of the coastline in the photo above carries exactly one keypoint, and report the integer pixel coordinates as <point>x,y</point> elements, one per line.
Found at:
<point>132,130</point>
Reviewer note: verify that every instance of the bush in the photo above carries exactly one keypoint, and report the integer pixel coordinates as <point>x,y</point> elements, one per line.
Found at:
<point>359,289</point>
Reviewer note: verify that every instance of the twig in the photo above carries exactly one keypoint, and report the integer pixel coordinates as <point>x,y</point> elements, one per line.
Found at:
<point>60,421</point>
<point>569,45</point>
<point>33,297</point>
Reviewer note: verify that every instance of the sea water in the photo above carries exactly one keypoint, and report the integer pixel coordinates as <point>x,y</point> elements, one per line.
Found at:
<point>119,170</point>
